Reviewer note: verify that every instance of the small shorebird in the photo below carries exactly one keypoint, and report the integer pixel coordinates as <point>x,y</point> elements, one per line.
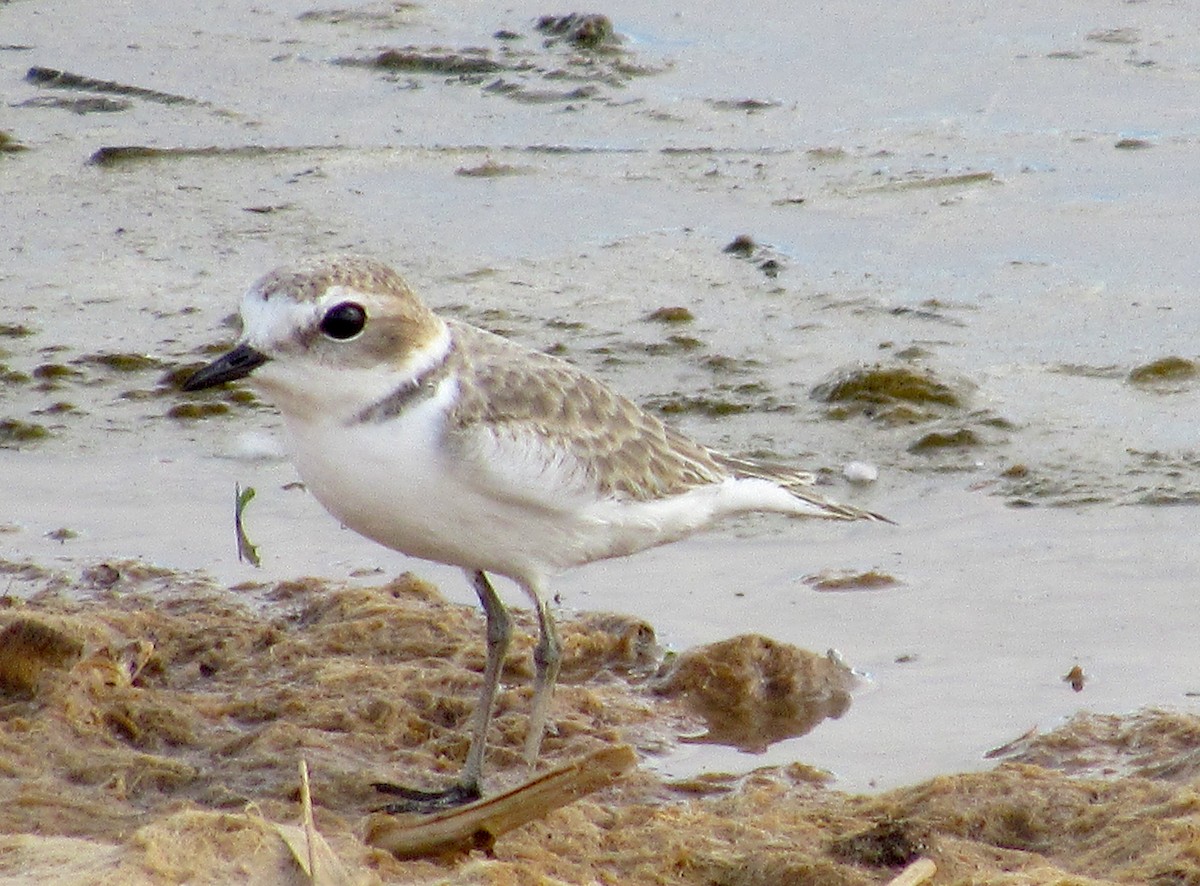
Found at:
<point>446,442</point>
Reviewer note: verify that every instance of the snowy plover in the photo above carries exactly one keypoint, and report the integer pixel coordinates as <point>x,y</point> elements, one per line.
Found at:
<point>446,442</point>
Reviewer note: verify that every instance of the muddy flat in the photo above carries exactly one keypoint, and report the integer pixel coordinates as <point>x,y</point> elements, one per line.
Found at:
<point>944,261</point>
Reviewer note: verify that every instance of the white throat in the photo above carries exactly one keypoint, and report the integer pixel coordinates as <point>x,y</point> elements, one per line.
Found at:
<point>307,390</point>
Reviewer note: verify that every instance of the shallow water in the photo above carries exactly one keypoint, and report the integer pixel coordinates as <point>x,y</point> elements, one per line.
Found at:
<point>963,197</point>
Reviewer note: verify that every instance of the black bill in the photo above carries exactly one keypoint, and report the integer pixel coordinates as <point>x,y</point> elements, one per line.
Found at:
<point>238,363</point>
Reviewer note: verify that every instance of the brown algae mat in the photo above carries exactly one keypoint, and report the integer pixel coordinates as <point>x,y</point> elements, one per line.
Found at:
<point>152,728</point>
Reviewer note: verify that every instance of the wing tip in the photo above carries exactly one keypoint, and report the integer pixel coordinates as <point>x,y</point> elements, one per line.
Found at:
<point>839,511</point>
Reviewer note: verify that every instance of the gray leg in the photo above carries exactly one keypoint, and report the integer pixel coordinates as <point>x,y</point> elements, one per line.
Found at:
<point>547,656</point>
<point>499,632</point>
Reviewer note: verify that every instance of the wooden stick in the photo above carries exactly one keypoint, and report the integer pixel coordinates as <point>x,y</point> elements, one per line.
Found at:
<point>306,817</point>
<point>478,824</point>
<point>920,871</point>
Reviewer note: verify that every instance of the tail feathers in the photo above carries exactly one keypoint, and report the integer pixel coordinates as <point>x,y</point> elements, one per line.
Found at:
<point>798,483</point>
<point>833,510</point>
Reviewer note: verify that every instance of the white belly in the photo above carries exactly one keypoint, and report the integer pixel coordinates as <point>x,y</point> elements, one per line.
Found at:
<point>394,483</point>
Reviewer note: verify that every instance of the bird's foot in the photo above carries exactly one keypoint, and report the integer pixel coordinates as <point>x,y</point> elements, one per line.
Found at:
<point>426,802</point>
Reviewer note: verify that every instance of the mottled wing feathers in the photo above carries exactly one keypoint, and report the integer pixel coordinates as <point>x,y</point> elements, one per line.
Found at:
<point>574,428</point>
<point>539,419</point>
<point>782,475</point>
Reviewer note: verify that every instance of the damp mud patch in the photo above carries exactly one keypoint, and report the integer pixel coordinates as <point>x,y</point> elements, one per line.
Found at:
<point>891,395</point>
<point>765,258</point>
<point>1166,374</point>
<point>585,30</point>
<point>959,438</point>
<point>111,156</point>
<point>920,180</point>
<point>15,433</point>
<point>491,169</point>
<point>9,144</point>
<point>580,59</point>
<point>152,725</point>
<point>834,581</point>
<point>946,432</point>
<point>1159,478</point>
<point>719,399</point>
<point>53,78</point>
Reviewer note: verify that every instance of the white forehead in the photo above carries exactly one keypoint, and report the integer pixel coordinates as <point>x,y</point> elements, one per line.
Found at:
<point>278,316</point>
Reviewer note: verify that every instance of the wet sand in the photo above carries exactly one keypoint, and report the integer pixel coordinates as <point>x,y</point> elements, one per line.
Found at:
<point>153,725</point>
<point>955,248</point>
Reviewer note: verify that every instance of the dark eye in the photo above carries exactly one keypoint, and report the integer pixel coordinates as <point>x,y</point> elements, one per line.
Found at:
<point>344,321</point>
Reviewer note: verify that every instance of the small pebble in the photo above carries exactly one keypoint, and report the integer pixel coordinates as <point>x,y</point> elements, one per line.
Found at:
<point>860,472</point>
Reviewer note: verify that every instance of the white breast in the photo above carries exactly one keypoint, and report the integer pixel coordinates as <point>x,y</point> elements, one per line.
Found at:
<point>399,483</point>
<point>396,483</point>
